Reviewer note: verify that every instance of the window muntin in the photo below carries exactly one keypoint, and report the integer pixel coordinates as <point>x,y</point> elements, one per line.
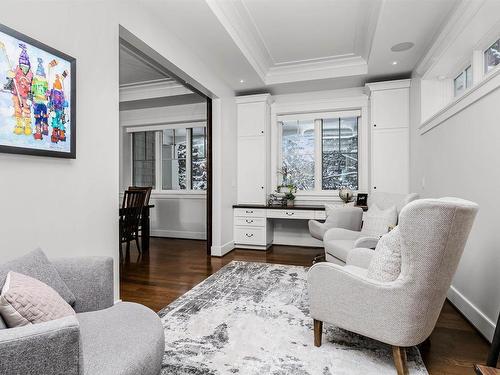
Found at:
<point>144,159</point>
<point>492,56</point>
<point>320,153</point>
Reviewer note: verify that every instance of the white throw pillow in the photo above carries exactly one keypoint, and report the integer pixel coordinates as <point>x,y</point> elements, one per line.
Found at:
<point>386,262</point>
<point>25,300</point>
<point>377,221</point>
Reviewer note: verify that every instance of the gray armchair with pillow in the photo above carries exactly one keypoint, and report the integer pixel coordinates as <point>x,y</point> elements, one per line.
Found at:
<point>383,211</point>
<point>346,217</point>
<point>395,293</point>
<point>101,338</point>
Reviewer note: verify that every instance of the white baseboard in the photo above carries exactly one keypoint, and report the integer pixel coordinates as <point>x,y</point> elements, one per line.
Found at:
<point>118,301</point>
<point>484,324</point>
<point>219,251</point>
<point>178,234</point>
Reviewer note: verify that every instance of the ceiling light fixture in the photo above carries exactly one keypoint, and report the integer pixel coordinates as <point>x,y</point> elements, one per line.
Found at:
<point>394,63</point>
<point>242,81</point>
<point>400,47</point>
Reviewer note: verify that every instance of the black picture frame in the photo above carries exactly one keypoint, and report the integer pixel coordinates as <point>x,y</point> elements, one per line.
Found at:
<point>362,199</point>
<point>72,61</point>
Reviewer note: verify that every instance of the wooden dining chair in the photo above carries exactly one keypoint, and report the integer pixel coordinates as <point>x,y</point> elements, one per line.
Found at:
<point>132,206</point>
<point>147,190</point>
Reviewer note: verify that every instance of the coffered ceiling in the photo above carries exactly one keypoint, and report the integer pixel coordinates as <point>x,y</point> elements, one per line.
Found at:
<point>286,46</point>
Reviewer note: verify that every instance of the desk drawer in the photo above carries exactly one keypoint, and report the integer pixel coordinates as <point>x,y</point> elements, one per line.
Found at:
<point>250,221</point>
<point>250,235</point>
<point>249,212</point>
<point>320,215</point>
<point>291,214</point>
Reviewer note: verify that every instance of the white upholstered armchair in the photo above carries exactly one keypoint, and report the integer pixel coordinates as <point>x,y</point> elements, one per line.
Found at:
<point>338,241</point>
<point>426,248</point>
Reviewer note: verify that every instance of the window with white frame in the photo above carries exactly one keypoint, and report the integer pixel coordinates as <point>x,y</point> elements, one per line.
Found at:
<point>492,56</point>
<point>463,81</point>
<point>170,158</point>
<point>319,152</point>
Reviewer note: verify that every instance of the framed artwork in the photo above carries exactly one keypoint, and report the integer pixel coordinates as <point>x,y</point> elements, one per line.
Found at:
<point>362,199</point>
<point>37,97</point>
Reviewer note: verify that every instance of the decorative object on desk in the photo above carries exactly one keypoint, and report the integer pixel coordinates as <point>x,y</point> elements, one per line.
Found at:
<point>362,200</point>
<point>277,200</point>
<point>37,97</point>
<point>290,196</point>
<point>346,195</point>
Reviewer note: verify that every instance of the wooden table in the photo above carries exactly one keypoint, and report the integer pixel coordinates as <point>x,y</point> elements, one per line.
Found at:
<point>145,225</point>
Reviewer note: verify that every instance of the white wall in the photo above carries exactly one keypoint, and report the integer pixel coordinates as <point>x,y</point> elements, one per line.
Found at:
<point>153,30</point>
<point>460,158</point>
<point>69,207</point>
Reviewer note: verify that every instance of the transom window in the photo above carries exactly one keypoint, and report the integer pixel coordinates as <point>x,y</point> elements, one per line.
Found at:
<point>492,56</point>
<point>171,158</point>
<point>463,81</point>
<point>320,152</point>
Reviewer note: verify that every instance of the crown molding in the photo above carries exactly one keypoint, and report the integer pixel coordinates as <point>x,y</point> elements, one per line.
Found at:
<point>459,19</point>
<point>239,24</point>
<point>152,89</point>
<point>339,67</point>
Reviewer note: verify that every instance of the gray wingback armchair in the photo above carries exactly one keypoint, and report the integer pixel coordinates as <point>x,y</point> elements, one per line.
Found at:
<point>338,241</point>
<point>102,339</point>
<point>403,312</point>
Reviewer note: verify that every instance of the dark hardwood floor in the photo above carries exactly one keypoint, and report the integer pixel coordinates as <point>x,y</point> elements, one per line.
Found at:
<point>174,266</point>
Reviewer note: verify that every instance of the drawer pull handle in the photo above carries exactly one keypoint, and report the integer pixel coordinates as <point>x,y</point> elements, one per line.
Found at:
<point>249,234</point>
<point>289,213</point>
<point>249,221</point>
<point>249,212</point>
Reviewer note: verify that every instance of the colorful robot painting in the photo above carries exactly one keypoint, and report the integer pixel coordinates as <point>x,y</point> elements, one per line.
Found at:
<point>34,92</point>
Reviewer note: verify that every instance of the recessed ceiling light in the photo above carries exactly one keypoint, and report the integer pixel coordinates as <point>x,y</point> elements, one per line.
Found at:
<point>242,81</point>
<point>394,63</point>
<point>400,47</point>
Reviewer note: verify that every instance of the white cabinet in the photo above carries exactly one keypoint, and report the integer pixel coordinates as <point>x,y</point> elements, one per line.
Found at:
<point>253,146</point>
<point>390,136</point>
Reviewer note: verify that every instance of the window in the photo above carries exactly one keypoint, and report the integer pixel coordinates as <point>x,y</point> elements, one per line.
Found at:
<point>143,159</point>
<point>339,138</point>
<point>492,56</point>
<point>463,81</point>
<point>181,156</point>
<point>320,152</point>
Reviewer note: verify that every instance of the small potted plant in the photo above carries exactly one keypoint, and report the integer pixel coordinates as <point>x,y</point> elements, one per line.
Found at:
<point>289,195</point>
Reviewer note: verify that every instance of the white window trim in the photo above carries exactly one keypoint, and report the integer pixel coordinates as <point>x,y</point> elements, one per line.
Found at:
<point>354,103</point>
<point>157,191</point>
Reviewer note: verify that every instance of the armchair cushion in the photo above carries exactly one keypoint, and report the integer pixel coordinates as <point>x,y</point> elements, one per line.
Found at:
<point>35,264</point>
<point>25,300</point>
<point>386,262</point>
<point>377,221</point>
<point>360,257</point>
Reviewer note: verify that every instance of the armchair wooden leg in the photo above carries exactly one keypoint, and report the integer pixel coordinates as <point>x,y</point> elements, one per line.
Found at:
<point>399,354</point>
<point>318,330</point>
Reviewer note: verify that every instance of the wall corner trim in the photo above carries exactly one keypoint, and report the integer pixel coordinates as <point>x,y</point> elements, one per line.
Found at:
<point>484,324</point>
<point>219,251</point>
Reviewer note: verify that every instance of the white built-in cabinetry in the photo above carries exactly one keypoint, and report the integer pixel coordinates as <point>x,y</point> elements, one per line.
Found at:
<point>390,135</point>
<point>253,148</point>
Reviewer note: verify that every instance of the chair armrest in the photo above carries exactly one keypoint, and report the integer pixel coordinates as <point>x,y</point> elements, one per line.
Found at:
<point>348,217</point>
<point>49,348</point>
<point>359,257</point>
<point>341,234</point>
<point>367,242</point>
<point>90,279</point>
<point>384,311</point>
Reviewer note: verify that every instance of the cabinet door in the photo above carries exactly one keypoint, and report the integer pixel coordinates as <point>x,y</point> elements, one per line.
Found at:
<point>252,170</point>
<point>390,160</point>
<point>390,108</point>
<point>251,119</point>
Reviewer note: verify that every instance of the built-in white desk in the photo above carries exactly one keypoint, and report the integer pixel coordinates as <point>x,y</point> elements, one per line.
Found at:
<point>253,227</point>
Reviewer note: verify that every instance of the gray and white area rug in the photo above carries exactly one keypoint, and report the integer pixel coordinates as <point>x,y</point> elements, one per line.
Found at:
<point>253,318</point>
